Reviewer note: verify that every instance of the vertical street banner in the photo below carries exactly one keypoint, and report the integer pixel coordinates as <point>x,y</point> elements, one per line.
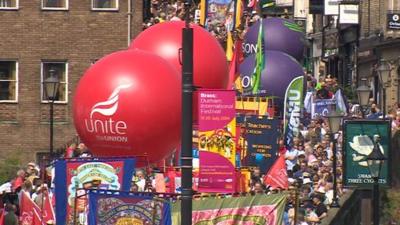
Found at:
<point>217,133</point>
<point>118,208</point>
<point>259,209</point>
<point>74,174</point>
<point>360,136</point>
<point>293,109</point>
<point>261,137</point>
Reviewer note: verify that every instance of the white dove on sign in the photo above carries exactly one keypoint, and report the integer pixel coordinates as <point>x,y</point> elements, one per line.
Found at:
<point>362,145</point>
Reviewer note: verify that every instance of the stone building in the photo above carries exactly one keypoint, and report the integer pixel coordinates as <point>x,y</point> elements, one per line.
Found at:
<point>63,35</point>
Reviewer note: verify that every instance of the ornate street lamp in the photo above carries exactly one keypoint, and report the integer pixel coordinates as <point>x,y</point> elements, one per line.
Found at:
<point>375,161</point>
<point>384,74</point>
<point>363,93</point>
<point>334,120</point>
<point>51,85</point>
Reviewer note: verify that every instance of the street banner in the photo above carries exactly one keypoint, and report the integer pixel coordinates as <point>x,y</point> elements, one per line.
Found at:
<point>261,136</point>
<point>117,208</point>
<point>322,107</point>
<point>99,173</point>
<point>258,209</point>
<point>293,109</point>
<point>360,136</point>
<point>217,134</point>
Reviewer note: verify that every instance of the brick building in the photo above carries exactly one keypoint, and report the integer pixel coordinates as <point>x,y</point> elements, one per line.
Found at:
<point>63,35</point>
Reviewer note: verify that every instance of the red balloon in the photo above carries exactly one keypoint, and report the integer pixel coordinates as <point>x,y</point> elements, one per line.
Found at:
<point>210,67</point>
<point>128,103</point>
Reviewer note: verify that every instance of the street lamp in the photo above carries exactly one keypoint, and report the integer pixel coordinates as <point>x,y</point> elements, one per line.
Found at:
<point>51,85</point>
<point>375,162</point>
<point>334,120</point>
<point>363,93</point>
<point>384,73</point>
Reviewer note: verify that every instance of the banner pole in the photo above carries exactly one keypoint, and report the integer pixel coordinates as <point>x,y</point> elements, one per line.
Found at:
<point>187,120</point>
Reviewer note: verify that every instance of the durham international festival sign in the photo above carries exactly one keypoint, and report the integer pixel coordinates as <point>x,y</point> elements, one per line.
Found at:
<point>74,174</point>
<point>259,209</point>
<point>359,139</point>
<point>122,208</point>
<point>217,147</point>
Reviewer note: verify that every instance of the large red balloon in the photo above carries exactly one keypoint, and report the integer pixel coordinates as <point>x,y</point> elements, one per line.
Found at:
<point>210,69</point>
<point>128,103</point>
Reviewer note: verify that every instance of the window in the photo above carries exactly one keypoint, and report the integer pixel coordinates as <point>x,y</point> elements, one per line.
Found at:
<point>55,4</point>
<point>8,81</point>
<point>8,4</point>
<point>105,4</point>
<point>61,71</point>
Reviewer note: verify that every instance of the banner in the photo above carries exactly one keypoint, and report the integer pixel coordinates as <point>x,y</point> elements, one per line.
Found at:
<point>118,208</point>
<point>218,12</point>
<point>73,174</point>
<point>322,107</point>
<point>293,108</point>
<point>261,136</point>
<point>359,139</point>
<point>217,134</point>
<point>258,209</point>
<point>277,176</point>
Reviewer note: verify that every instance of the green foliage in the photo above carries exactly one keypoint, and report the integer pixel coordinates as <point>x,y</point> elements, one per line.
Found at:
<point>9,167</point>
<point>350,93</point>
<point>391,210</point>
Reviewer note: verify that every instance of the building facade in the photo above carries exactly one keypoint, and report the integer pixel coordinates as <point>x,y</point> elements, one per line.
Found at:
<point>60,36</point>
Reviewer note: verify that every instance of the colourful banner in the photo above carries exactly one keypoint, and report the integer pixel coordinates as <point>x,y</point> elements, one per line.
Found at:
<point>217,134</point>
<point>218,12</point>
<point>118,208</point>
<point>293,109</point>
<point>74,174</point>
<point>250,210</point>
<point>322,107</point>
<point>261,137</point>
<point>360,137</point>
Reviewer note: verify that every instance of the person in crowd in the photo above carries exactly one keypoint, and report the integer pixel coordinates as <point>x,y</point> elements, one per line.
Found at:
<point>10,217</point>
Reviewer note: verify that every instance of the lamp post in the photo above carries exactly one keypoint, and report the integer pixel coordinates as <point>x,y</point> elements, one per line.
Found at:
<point>384,73</point>
<point>375,161</point>
<point>51,85</point>
<point>187,120</point>
<point>334,120</point>
<point>363,92</point>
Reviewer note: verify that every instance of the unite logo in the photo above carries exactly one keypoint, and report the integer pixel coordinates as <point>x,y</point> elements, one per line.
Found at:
<point>106,127</point>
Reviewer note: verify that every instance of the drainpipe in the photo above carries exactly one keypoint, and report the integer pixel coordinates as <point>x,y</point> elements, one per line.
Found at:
<point>323,35</point>
<point>129,21</point>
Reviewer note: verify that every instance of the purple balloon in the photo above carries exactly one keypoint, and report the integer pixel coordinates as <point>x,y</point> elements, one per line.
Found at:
<point>279,35</point>
<point>279,71</point>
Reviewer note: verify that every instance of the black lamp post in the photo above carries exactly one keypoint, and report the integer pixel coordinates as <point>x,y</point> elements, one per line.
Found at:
<point>384,73</point>
<point>51,85</point>
<point>363,93</point>
<point>375,162</point>
<point>187,121</point>
<point>334,120</point>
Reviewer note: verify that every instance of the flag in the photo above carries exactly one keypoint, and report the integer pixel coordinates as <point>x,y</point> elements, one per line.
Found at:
<point>277,176</point>
<point>229,47</point>
<point>47,210</point>
<point>2,217</point>
<point>259,63</point>
<point>252,3</point>
<point>36,218</point>
<point>239,13</point>
<point>292,109</point>
<point>27,208</point>
<point>340,102</point>
<point>236,60</point>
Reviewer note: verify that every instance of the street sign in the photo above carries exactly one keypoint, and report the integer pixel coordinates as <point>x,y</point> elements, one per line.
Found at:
<point>358,142</point>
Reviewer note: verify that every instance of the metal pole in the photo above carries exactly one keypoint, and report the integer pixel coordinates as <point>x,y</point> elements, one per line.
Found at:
<point>376,201</point>
<point>384,100</point>
<point>187,126</point>
<point>335,202</point>
<point>51,128</point>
